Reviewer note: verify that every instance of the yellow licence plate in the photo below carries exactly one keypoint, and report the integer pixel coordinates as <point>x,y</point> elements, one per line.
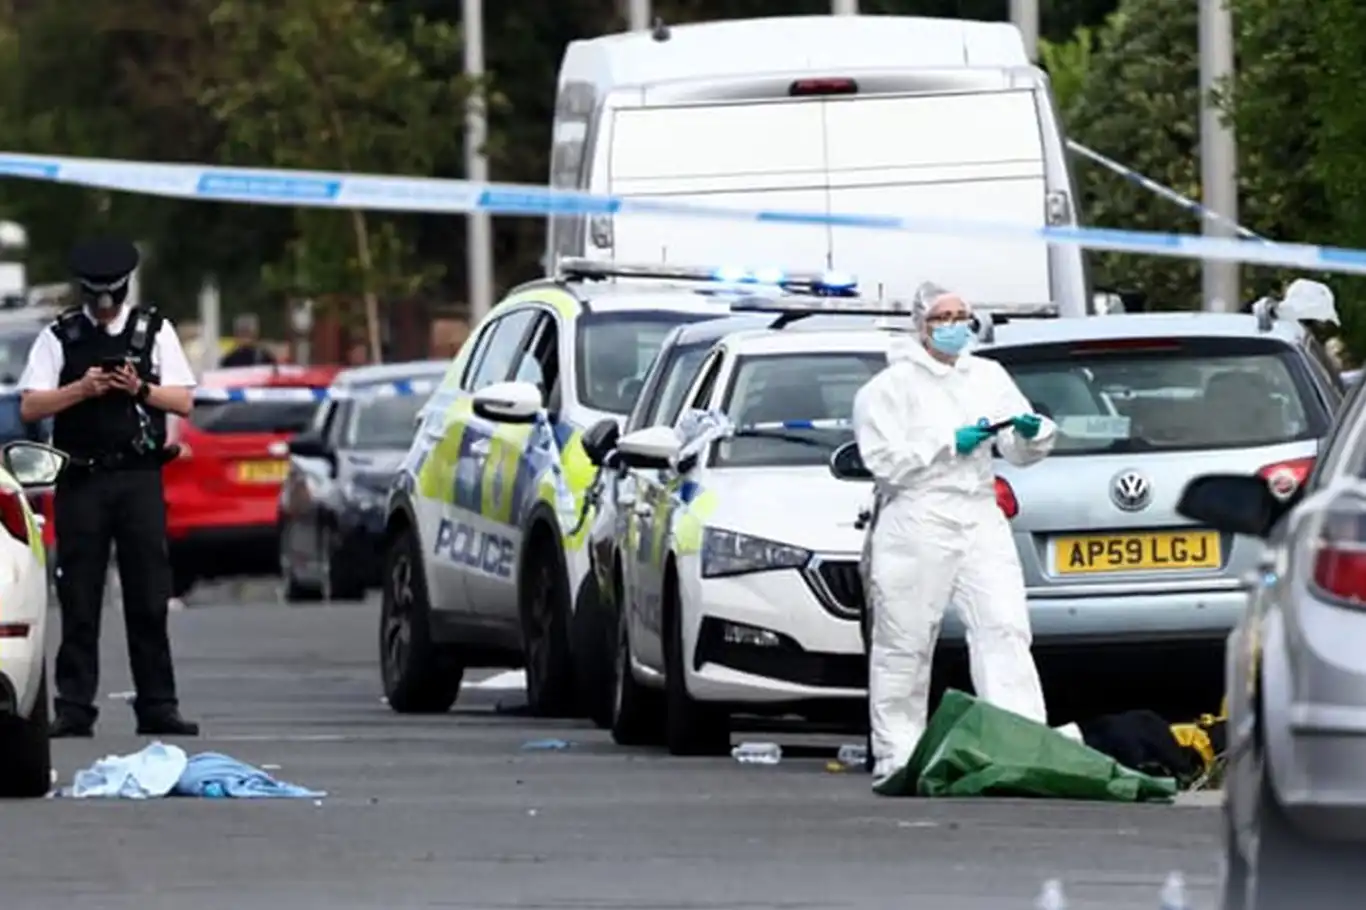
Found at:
<point>262,471</point>
<point>1151,552</point>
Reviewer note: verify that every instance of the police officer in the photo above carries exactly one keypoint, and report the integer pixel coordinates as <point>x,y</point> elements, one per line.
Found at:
<point>108,373</point>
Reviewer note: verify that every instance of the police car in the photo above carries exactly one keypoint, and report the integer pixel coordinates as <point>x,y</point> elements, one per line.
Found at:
<point>25,756</point>
<point>736,548</point>
<point>484,538</point>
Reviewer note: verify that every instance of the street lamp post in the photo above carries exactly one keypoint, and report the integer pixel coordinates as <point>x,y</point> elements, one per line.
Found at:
<point>479,232</point>
<point>844,7</point>
<point>1025,15</point>
<point>1218,151</point>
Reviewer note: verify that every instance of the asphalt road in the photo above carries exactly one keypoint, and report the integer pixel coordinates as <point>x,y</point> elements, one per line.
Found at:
<point>453,812</point>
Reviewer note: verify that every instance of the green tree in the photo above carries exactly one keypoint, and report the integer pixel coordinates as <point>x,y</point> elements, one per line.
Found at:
<point>323,84</point>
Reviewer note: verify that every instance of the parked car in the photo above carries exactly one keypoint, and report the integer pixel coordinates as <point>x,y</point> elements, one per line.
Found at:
<point>333,503</point>
<point>1295,782</point>
<point>25,753</point>
<point>223,489</point>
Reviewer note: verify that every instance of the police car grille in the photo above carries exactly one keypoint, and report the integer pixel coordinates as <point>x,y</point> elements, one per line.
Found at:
<point>840,587</point>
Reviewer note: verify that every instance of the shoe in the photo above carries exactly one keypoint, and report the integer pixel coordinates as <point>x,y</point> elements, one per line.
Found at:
<point>167,724</point>
<point>70,728</point>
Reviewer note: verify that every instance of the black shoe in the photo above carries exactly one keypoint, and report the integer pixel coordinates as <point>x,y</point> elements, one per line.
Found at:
<point>70,728</point>
<point>167,724</point>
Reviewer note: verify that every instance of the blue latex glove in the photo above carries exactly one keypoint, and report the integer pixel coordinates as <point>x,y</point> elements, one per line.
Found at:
<point>965,439</point>
<point>1027,425</point>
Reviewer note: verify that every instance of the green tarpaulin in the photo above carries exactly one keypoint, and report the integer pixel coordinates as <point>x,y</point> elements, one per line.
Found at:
<point>971,748</point>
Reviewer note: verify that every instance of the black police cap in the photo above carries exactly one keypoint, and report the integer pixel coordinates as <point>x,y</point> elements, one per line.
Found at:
<point>103,260</point>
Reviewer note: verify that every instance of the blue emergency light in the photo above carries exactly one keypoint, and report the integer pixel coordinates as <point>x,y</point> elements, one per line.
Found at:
<point>817,284</point>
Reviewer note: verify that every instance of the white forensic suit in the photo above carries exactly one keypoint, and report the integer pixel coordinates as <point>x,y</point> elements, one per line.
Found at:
<point>941,538</point>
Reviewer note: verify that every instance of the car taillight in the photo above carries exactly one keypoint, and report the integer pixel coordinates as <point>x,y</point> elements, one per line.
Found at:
<point>12,515</point>
<point>1286,477</point>
<point>1005,498</point>
<point>14,630</point>
<point>804,87</point>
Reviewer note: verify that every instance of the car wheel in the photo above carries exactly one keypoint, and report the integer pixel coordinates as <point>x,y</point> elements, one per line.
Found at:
<point>295,591</point>
<point>183,577</point>
<point>636,710</point>
<point>26,752</point>
<point>691,727</point>
<point>341,583</point>
<point>420,676</point>
<point>1293,869</point>
<point>544,595</point>
<point>594,647</point>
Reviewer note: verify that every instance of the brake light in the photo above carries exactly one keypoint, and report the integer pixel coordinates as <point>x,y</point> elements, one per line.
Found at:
<point>12,515</point>
<point>14,630</point>
<point>1286,477</point>
<point>805,87</point>
<point>1005,498</point>
<point>1340,569</point>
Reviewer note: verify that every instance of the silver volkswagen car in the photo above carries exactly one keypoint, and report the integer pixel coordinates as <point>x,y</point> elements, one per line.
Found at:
<point>1144,403</point>
<point>1295,784</point>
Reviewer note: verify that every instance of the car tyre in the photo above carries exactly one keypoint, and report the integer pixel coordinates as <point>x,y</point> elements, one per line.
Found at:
<point>295,591</point>
<point>341,581</point>
<point>691,727</point>
<point>1294,870</point>
<point>183,577</point>
<point>420,676</point>
<point>544,595</point>
<point>594,634</point>
<point>26,751</point>
<point>637,711</point>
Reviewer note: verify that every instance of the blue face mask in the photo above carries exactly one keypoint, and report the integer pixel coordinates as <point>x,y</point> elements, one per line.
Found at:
<point>951,339</point>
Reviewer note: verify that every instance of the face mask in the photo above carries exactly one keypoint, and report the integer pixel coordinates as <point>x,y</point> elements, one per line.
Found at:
<point>951,339</point>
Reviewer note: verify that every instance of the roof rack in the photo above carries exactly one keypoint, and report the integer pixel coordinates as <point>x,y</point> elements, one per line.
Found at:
<point>821,284</point>
<point>791,309</point>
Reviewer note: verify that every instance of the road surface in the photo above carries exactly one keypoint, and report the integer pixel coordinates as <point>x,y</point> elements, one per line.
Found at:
<point>453,812</point>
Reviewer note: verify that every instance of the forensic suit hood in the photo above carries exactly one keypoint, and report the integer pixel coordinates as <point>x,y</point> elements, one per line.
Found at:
<point>940,538</point>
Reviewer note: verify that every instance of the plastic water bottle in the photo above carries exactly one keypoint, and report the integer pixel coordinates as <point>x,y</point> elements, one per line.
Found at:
<point>757,753</point>
<point>852,755</point>
<point>1051,897</point>
<point>1174,893</point>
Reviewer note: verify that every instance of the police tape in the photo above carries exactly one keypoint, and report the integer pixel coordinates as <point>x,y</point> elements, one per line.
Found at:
<point>321,189</point>
<point>303,394</point>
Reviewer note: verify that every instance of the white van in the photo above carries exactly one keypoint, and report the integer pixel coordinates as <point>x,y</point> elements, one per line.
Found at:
<point>882,115</point>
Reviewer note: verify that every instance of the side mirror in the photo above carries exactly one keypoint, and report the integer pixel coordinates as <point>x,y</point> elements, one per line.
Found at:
<point>1233,503</point>
<point>310,445</point>
<point>509,402</point>
<point>600,439</point>
<point>650,448</point>
<point>846,463</point>
<point>33,464</point>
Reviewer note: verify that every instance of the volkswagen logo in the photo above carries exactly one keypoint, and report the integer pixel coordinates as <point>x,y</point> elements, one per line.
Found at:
<point>1131,491</point>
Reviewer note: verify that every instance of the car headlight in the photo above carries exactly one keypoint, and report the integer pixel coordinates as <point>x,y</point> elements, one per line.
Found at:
<point>729,553</point>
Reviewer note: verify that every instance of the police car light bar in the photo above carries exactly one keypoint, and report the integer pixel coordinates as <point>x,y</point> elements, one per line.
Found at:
<point>815,306</point>
<point>825,284</point>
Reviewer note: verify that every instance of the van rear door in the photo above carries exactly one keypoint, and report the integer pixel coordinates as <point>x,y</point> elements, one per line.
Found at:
<point>951,157</point>
<point>747,155</point>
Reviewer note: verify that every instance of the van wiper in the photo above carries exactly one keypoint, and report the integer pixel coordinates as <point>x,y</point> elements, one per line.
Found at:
<point>780,434</point>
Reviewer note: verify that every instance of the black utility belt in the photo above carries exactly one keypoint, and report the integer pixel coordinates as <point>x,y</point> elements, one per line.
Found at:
<point>122,461</point>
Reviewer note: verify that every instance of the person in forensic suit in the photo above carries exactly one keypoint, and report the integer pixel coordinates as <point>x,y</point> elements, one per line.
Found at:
<point>108,373</point>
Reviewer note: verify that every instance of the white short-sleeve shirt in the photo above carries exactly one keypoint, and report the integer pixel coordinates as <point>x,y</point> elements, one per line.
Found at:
<point>43,371</point>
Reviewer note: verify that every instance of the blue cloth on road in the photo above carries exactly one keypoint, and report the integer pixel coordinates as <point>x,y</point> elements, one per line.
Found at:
<point>147,774</point>
<point>213,775</point>
<point>160,770</point>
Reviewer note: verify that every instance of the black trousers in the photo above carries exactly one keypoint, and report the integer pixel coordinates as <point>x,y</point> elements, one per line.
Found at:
<point>93,509</point>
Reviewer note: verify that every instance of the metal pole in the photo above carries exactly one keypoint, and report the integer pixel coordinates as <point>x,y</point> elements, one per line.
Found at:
<point>479,234</point>
<point>844,7</point>
<point>1218,151</point>
<point>1025,15</point>
<point>208,325</point>
<point>639,14</point>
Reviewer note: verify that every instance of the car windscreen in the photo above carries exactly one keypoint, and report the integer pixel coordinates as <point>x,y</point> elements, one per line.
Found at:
<point>1168,395</point>
<point>223,417</point>
<point>14,348</point>
<point>790,388</point>
<point>616,349</point>
<point>383,422</point>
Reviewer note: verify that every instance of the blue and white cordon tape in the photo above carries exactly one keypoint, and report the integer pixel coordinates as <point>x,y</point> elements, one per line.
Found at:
<point>320,189</point>
<point>398,389</point>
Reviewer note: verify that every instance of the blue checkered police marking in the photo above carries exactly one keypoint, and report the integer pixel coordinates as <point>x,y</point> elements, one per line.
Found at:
<point>399,389</point>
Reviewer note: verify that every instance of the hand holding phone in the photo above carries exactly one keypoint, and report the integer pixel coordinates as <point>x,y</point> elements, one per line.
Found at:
<point>113,364</point>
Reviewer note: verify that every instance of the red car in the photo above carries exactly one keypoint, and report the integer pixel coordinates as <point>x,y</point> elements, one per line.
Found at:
<point>223,489</point>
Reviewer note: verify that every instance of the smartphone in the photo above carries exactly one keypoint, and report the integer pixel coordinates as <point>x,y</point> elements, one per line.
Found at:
<point>113,364</point>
